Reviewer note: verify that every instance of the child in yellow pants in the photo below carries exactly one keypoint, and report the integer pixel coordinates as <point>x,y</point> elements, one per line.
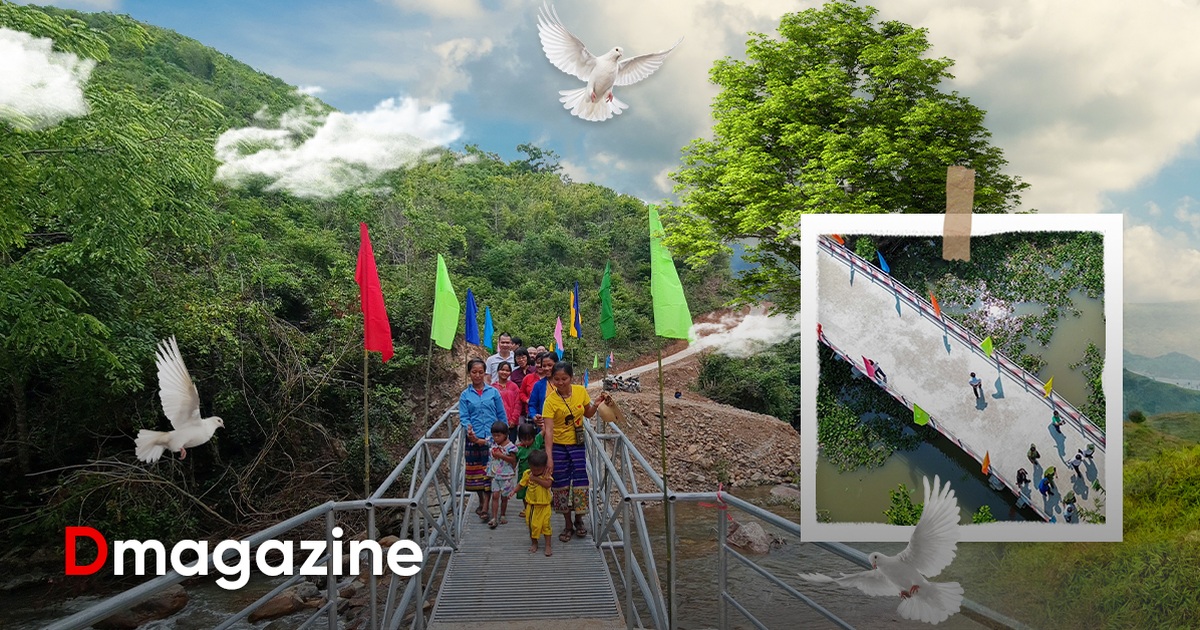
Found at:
<point>537,498</point>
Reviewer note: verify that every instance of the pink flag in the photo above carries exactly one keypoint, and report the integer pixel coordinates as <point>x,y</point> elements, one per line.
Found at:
<point>870,368</point>
<point>558,337</point>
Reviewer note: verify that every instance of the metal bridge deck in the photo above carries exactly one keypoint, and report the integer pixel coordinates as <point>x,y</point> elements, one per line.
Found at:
<point>494,580</point>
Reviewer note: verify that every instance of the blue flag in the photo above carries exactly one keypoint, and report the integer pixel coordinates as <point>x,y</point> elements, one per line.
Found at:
<point>883,264</point>
<point>576,323</point>
<point>488,329</point>
<point>472,319</point>
<point>585,378</point>
<point>608,361</point>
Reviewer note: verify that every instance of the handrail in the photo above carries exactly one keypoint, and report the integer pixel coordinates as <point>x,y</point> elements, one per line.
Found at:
<point>618,521</point>
<point>925,309</point>
<point>437,474</point>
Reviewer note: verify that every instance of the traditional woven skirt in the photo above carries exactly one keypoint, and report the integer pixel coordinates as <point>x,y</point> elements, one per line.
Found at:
<point>569,492</point>
<point>477,459</point>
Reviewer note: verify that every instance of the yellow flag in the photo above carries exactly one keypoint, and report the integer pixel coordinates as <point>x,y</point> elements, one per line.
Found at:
<point>1049,386</point>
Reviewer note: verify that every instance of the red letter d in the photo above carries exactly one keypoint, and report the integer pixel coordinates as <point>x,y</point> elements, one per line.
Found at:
<point>101,555</point>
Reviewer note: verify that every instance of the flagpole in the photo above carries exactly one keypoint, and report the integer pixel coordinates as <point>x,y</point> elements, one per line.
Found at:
<point>366,434</point>
<point>428,369</point>
<point>667,511</point>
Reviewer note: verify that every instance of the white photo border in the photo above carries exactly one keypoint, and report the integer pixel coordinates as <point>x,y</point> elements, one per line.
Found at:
<point>1110,226</point>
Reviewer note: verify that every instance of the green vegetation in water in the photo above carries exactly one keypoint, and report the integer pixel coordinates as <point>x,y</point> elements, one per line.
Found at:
<point>1093,369</point>
<point>903,511</point>
<point>859,424</point>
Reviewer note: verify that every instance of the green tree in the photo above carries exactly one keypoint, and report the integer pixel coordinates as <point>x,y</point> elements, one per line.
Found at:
<point>903,511</point>
<point>840,114</point>
<point>983,515</point>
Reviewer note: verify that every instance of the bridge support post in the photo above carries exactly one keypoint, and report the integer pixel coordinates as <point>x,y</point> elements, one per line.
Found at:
<point>722,570</point>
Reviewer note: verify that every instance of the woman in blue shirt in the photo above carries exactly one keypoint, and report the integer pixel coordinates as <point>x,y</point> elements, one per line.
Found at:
<point>479,406</point>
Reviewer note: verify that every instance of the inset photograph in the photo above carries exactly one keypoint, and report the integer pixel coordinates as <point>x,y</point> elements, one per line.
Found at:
<point>999,374</point>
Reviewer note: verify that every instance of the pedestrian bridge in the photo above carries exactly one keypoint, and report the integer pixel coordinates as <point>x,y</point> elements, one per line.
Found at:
<point>864,312</point>
<point>473,575</point>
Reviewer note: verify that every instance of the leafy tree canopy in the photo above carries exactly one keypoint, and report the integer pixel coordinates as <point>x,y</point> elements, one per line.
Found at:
<point>840,113</point>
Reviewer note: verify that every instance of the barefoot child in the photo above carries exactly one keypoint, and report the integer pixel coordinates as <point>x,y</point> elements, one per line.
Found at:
<point>502,468</point>
<point>537,482</point>
<point>528,440</point>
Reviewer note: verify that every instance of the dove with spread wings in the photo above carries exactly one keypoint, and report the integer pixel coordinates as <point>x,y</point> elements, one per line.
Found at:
<point>181,404</point>
<point>594,102</point>
<point>931,549</point>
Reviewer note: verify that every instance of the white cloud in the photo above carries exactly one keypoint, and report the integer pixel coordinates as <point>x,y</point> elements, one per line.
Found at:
<point>39,87</point>
<point>450,78</point>
<point>1159,266</point>
<point>752,335</point>
<point>443,8</point>
<point>1185,213</point>
<point>1085,98</point>
<point>310,153</point>
<point>310,90</point>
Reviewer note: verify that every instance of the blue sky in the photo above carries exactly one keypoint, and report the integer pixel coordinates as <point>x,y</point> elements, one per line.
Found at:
<point>1096,104</point>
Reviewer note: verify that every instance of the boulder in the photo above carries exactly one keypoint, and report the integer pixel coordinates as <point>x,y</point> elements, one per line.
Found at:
<point>751,537</point>
<point>292,599</point>
<point>162,605</point>
<point>786,494</point>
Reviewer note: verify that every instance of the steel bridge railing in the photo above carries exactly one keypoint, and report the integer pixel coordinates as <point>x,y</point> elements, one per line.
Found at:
<point>926,310</point>
<point>432,517</point>
<point>619,523</point>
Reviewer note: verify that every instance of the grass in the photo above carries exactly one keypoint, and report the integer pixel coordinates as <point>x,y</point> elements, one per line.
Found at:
<point>1148,580</point>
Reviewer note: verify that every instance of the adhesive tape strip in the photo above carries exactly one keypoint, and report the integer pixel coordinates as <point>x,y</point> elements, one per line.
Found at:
<point>960,198</point>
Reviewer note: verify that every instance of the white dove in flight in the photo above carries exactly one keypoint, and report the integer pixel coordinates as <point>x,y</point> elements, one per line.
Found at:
<point>181,404</point>
<point>596,101</point>
<point>930,550</point>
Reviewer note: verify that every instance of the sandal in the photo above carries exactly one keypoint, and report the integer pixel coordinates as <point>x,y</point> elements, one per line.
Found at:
<point>566,534</point>
<point>581,531</point>
<point>504,520</point>
<point>492,524</point>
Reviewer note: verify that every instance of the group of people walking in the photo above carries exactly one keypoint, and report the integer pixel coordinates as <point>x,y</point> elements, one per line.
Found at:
<point>523,417</point>
<point>1046,485</point>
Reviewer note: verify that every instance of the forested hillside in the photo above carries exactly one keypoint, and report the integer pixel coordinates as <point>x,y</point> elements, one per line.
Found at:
<point>113,236</point>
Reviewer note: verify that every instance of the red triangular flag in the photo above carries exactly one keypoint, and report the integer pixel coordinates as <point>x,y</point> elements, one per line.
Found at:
<point>377,332</point>
<point>937,310</point>
<point>870,368</point>
<point>839,239</point>
<point>987,462</point>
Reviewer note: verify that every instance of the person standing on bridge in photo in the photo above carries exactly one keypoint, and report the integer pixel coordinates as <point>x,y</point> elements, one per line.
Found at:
<point>479,406</point>
<point>504,353</point>
<point>1076,464</point>
<point>1033,454</point>
<point>1057,421</point>
<point>976,385</point>
<point>536,394</point>
<point>565,408</point>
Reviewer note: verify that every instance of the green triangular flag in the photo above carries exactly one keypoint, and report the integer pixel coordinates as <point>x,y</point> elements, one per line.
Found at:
<point>445,308</point>
<point>671,316</point>
<point>987,346</point>
<point>920,416</point>
<point>608,326</point>
<point>595,361</point>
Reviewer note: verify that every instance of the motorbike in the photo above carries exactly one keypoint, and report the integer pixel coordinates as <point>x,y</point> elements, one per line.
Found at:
<point>619,383</point>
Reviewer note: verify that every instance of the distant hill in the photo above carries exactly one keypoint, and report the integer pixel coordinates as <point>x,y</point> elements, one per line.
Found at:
<point>1153,397</point>
<point>1171,365</point>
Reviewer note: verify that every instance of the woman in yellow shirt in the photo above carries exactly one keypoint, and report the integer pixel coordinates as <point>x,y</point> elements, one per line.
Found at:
<point>563,412</point>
